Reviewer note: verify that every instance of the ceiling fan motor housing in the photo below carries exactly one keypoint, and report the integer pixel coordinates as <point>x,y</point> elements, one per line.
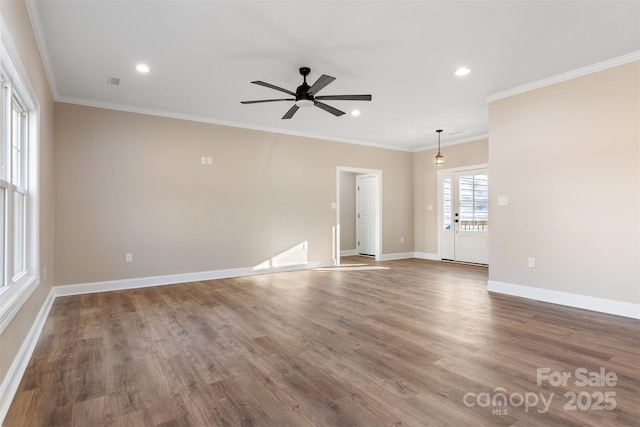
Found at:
<point>303,97</point>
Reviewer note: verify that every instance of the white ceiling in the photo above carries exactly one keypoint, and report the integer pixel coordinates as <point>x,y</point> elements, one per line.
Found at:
<point>204,54</point>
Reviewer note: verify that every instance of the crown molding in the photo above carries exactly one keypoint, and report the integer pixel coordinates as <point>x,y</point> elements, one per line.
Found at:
<point>36,24</point>
<point>454,142</point>
<point>610,63</point>
<point>201,119</point>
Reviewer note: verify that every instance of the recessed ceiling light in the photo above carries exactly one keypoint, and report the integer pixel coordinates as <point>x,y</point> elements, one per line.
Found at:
<point>142,68</point>
<point>462,71</point>
<point>355,113</point>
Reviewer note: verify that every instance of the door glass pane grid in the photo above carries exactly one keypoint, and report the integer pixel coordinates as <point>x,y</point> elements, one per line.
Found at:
<point>447,201</point>
<point>474,203</point>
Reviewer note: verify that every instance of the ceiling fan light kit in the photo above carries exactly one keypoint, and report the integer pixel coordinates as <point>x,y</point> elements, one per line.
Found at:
<point>305,95</point>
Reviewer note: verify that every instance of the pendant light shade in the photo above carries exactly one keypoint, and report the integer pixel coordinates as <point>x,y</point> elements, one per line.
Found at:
<point>439,157</point>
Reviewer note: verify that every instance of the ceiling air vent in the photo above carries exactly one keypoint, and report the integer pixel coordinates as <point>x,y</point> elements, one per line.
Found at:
<point>113,81</point>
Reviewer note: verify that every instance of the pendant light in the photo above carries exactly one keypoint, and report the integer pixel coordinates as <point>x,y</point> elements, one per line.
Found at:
<point>439,157</point>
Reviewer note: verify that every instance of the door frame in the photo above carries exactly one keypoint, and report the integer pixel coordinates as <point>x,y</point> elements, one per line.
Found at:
<point>441,173</point>
<point>378,207</point>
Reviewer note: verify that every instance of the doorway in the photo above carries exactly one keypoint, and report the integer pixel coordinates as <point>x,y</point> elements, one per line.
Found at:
<point>463,216</point>
<point>367,232</point>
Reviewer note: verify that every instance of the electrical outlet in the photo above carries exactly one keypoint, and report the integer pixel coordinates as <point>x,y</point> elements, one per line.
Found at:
<point>128,257</point>
<point>531,262</point>
<point>402,240</point>
<point>203,160</point>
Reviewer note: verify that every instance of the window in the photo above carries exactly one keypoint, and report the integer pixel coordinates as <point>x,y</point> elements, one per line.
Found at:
<point>474,203</point>
<point>13,184</point>
<point>16,186</point>
<point>18,201</point>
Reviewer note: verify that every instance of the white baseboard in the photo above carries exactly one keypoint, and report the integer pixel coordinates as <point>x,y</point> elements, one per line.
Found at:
<point>172,279</point>
<point>427,255</point>
<point>399,255</point>
<point>11,381</point>
<point>619,308</point>
<point>406,255</point>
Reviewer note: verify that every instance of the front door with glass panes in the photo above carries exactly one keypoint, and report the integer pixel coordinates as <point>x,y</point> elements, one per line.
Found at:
<point>463,219</point>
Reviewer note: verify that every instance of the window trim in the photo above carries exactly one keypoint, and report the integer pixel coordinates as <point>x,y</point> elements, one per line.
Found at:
<point>18,291</point>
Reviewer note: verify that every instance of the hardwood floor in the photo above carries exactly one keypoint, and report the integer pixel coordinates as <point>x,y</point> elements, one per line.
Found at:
<point>408,342</point>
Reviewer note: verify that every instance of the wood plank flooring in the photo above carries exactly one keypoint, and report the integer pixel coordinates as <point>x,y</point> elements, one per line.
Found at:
<point>408,342</point>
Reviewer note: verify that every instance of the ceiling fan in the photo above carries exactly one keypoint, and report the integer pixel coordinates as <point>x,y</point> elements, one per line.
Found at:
<point>305,95</point>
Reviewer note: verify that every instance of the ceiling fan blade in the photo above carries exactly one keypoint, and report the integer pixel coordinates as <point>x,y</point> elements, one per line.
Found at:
<point>322,81</point>
<point>291,112</point>
<point>269,85</point>
<point>328,108</point>
<point>345,97</point>
<point>267,100</point>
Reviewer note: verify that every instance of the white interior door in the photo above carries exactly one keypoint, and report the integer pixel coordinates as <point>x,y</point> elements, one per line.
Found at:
<point>464,215</point>
<point>366,192</point>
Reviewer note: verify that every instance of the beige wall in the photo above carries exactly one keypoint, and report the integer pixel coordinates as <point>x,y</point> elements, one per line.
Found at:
<point>567,157</point>
<point>426,187</point>
<point>15,18</point>
<point>134,183</point>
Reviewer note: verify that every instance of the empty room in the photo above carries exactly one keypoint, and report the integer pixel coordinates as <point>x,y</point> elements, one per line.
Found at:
<point>319,213</point>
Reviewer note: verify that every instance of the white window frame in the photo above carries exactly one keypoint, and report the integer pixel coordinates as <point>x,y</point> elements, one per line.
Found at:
<point>18,287</point>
